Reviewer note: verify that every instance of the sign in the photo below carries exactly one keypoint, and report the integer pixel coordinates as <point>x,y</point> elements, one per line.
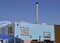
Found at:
<point>25,32</point>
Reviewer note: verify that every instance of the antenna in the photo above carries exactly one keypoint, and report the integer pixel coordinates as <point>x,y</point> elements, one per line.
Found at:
<point>36,11</point>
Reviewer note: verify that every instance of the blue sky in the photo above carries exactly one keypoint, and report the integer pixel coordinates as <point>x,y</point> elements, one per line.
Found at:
<point>24,10</point>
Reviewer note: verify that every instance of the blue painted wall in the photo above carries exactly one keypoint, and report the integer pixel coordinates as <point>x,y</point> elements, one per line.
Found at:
<point>35,30</point>
<point>4,31</point>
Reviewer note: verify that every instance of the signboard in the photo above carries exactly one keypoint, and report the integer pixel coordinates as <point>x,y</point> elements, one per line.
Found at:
<point>25,32</point>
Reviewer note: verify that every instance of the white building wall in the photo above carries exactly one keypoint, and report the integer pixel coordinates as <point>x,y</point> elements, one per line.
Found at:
<point>35,30</point>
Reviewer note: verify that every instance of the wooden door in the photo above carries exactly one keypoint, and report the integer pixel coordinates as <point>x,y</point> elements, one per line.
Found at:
<point>57,33</point>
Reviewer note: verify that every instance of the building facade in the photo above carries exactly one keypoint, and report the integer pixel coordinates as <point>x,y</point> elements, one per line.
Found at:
<point>28,31</point>
<point>23,32</point>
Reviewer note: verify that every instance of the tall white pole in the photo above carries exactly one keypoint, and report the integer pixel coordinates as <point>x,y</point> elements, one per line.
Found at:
<point>36,11</point>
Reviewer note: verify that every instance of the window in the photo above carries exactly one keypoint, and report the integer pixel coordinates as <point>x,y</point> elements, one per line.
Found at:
<point>46,34</point>
<point>17,24</point>
<point>10,30</point>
